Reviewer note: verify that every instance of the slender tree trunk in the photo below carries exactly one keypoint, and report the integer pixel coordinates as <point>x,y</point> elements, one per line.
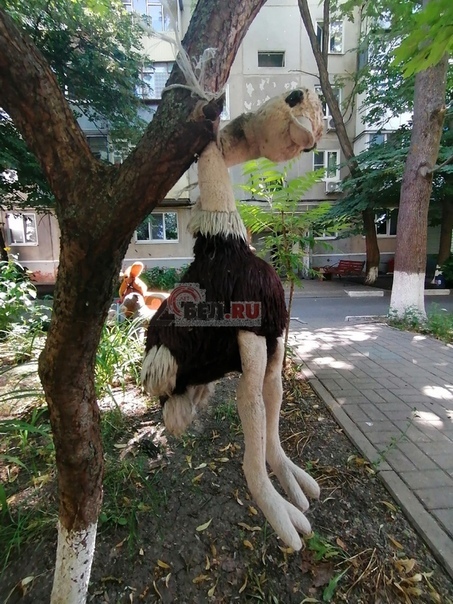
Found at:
<point>321,57</point>
<point>66,368</point>
<point>372,248</point>
<point>410,256</point>
<point>446,229</point>
<point>3,252</point>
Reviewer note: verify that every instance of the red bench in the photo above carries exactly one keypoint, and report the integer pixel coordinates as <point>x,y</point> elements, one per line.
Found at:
<point>343,268</point>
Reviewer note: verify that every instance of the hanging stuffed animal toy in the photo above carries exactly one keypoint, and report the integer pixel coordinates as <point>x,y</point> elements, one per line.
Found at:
<point>184,358</point>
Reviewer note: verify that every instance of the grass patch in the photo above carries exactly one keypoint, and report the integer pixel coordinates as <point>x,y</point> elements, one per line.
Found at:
<point>438,323</point>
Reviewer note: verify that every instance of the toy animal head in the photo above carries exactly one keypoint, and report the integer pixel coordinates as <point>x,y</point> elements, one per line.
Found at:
<point>280,129</point>
<point>131,282</point>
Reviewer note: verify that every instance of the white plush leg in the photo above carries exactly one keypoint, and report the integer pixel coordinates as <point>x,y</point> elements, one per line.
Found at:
<point>180,409</point>
<point>284,517</point>
<point>75,551</point>
<point>293,479</point>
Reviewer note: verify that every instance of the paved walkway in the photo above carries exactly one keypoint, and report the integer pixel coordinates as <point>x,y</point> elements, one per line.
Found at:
<point>392,392</point>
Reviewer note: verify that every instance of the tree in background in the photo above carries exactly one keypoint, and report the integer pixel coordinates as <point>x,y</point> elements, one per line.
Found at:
<point>321,53</point>
<point>98,207</point>
<point>410,256</point>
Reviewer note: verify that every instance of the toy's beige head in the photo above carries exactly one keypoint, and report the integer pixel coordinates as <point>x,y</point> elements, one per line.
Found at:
<point>280,129</point>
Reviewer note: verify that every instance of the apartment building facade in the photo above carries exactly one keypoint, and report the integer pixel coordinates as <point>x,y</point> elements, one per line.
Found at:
<point>274,57</point>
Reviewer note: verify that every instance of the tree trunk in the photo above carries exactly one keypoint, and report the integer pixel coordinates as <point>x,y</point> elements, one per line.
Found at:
<point>410,256</point>
<point>372,247</point>
<point>446,228</point>
<point>321,57</point>
<point>3,252</point>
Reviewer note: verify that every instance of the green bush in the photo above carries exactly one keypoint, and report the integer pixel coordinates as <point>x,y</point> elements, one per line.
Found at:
<point>165,279</point>
<point>17,295</point>
<point>447,271</point>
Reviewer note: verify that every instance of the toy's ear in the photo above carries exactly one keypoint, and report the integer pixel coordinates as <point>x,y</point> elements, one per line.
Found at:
<point>136,269</point>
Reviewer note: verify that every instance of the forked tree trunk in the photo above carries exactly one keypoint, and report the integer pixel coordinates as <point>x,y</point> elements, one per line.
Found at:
<point>411,244</point>
<point>98,208</point>
<point>446,228</point>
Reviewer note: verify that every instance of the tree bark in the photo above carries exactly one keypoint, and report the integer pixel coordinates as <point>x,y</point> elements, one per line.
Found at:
<point>3,252</point>
<point>446,228</point>
<point>98,208</point>
<point>410,256</point>
<point>321,58</point>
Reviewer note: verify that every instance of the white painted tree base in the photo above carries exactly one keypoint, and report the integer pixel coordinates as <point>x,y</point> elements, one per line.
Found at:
<point>75,552</point>
<point>408,295</point>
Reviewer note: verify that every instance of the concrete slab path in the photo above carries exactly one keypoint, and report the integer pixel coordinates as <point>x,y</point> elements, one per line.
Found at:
<point>392,392</point>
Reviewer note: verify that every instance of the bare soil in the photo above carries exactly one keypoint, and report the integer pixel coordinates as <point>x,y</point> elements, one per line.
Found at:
<point>178,525</point>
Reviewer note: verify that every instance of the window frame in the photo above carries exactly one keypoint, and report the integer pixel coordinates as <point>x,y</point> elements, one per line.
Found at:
<point>388,223</point>
<point>158,67</point>
<point>9,230</point>
<point>325,107</point>
<point>325,166</point>
<point>319,32</point>
<point>151,241</point>
<point>262,53</point>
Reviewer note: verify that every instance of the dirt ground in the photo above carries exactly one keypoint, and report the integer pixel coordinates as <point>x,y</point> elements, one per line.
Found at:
<point>178,525</point>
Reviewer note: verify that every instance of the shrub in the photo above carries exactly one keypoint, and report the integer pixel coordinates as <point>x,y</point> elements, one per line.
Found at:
<point>165,279</point>
<point>17,295</point>
<point>447,271</point>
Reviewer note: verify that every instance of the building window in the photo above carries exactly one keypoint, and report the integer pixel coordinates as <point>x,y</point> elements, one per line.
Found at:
<point>99,147</point>
<point>153,80</point>
<point>271,59</point>
<point>22,229</point>
<point>159,226</point>
<point>335,36</point>
<point>327,160</point>
<point>376,139</point>
<point>323,234</point>
<point>159,15</point>
<point>386,222</point>
<point>325,106</point>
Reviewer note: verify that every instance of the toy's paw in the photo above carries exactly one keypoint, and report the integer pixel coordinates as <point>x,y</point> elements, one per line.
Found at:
<point>178,413</point>
<point>286,520</point>
<point>296,482</point>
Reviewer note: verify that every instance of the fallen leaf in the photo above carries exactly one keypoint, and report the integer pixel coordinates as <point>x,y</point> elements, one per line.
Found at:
<point>163,564</point>
<point>248,527</point>
<point>211,591</point>
<point>202,465</point>
<point>247,543</point>
<point>197,478</point>
<point>189,460</point>
<point>322,573</point>
<point>201,579</point>
<point>396,543</point>
<point>405,565</point>
<point>341,544</point>
<point>253,510</point>
<point>167,579</point>
<point>204,526</point>
<point>243,586</point>
<point>389,505</point>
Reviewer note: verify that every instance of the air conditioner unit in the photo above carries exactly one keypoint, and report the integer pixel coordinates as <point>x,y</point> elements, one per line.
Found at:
<point>330,124</point>
<point>333,186</point>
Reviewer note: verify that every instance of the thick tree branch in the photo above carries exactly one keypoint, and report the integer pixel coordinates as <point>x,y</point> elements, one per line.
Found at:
<point>39,110</point>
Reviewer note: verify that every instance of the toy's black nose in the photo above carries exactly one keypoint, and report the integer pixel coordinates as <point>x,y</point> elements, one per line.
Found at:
<point>294,98</point>
<point>311,149</point>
